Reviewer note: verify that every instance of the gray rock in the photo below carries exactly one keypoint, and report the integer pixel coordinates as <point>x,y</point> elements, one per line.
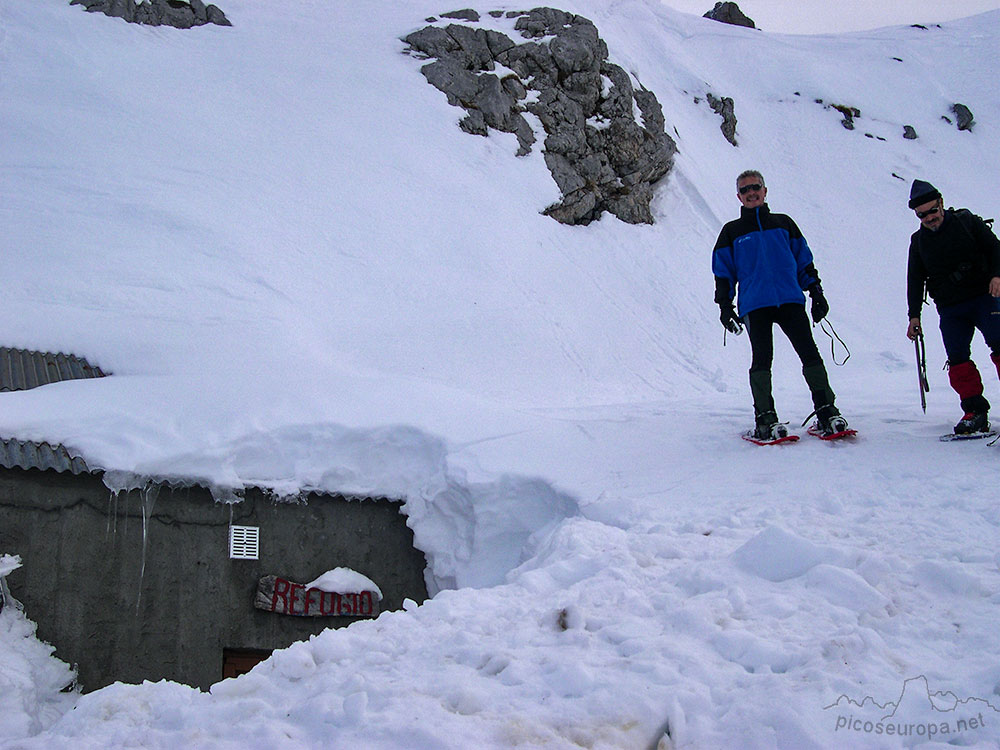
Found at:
<point>725,108</point>
<point>543,22</point>
<point>498,43</point>
<point>584,89</point>
<point>964,116</point>
<point>618,100</point>
<point>572,54</point>
<point>451,77</point>
<point>557,111</point>
<point>432,41</point>
<point>599,156</point>
<point>473,48</point>
<point>624,140</point>
<point>567,142</point>
<point>119,9</point>
<point>513,86</point>
<point>579,207</point>
<point>652,112</point>
<point>532,61</point>
<point>180,15</point>
<point>909,133</point>
<point>200,11</point>
<point>467,14</point>
<point>730,13</point>
<point>634,207</point>
<point>525,136</point>
<point>567,177</point>
<point>474,123</point>
<point>496,104</point>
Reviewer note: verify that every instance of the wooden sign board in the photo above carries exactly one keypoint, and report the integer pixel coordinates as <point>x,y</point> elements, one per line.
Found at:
<point>287,598</point>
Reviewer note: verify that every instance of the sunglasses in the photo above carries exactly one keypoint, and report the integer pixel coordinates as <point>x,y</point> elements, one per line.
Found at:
<point>928,212</point>
<point>747,188</point>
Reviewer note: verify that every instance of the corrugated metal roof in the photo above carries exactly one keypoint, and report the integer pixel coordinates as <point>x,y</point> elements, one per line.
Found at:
<point>24,454</point>
<point>21,369</point>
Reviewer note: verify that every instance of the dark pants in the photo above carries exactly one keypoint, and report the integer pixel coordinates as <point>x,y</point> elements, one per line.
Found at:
<point>958,326</point>
<point>959,323</point>
<point>794,323</point>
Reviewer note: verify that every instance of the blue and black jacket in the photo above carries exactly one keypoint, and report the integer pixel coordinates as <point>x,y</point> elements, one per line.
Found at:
<point>765,257</point>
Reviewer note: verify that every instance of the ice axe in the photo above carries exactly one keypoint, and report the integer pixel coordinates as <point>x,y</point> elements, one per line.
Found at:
<point>918,344</point>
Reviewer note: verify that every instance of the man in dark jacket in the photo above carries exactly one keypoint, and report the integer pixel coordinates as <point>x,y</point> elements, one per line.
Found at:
<point>957,256</point>
<point>764,257</point>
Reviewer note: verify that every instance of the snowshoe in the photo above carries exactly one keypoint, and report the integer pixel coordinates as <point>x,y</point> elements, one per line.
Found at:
<point>830,424</point>
<point>815,431</point>
<point>769,434</point>
<point>952,436</point>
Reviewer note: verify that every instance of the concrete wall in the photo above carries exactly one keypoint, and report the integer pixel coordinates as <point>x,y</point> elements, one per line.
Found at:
<point>85,583</point>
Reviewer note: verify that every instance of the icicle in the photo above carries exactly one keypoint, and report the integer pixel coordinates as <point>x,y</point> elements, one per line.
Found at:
<point>120,482</point>
<point>148,495</point>
<point>123,481</point>
<point>227,495</point>
<point>112,526</point>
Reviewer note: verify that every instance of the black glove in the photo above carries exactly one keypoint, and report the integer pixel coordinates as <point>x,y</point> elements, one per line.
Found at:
<point>820,307</point>
<point>727,315</point>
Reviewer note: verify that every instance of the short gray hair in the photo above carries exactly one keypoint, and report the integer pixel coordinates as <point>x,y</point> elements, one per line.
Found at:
<point>750,173</point>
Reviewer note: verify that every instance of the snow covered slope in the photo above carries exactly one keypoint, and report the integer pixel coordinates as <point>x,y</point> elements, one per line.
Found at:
<point>304,275</point>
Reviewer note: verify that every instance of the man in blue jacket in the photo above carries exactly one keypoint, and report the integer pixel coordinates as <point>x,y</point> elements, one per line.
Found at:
<point>764,257</point>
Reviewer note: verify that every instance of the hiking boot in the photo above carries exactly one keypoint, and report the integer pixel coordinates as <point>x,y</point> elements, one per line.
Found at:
<point>773,431</point>
<point>829,420</point>
<point>973,422</point>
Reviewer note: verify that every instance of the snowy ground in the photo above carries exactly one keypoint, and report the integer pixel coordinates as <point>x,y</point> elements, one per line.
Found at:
<point>303,274</point>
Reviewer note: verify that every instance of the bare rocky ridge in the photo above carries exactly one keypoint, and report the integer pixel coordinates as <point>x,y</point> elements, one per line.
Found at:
<point>601,156</point>
<point>729,12</point>
<point>181,14</point>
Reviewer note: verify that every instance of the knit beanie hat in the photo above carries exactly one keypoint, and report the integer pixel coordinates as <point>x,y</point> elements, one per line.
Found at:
<point>922,192</point>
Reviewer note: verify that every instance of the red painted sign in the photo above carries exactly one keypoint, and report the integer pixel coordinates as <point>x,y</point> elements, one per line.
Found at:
<point>287,598</point>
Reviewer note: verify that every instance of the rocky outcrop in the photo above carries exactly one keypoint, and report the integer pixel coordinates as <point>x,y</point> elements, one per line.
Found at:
<point>600,155</point>
<point>181,14</point>
<point>964,116</point>
<point>725,108</point>
<point>848,113</point>
<point>730,13</point>
<point>467,14</point>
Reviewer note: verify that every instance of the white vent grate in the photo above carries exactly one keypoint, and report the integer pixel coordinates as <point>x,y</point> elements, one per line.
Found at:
<point>244,542</point>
